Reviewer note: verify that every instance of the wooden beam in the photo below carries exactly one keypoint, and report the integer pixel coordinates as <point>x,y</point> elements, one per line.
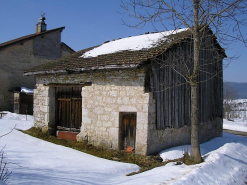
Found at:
<point>69,84</point>
<point>68,129</point>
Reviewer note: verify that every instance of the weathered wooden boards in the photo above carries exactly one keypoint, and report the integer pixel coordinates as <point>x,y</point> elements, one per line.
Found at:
<point>169,83</point>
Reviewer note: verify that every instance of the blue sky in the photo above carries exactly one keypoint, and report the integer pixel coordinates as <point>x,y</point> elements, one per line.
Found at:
<point>89,23</point>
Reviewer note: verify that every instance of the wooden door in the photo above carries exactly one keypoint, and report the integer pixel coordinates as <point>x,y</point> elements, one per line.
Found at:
<point>26,103</point>
<point>128,131</point>
<point>68,108</point>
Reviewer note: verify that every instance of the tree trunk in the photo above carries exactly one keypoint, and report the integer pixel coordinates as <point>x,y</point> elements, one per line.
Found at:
<point>195,122</point>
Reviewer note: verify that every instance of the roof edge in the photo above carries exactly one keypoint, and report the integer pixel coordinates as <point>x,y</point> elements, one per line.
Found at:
<point>27,37</point>
<point>81,70</point>
<point>62,43</point>
<point>123,66</point>
<point>45,72</point>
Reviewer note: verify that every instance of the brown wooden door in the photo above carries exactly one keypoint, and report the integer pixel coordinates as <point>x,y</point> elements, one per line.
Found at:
<point>128,130</point>
<point>68,107</point>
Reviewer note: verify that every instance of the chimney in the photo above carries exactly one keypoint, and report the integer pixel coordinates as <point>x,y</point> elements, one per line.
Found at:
<point>41,26</point>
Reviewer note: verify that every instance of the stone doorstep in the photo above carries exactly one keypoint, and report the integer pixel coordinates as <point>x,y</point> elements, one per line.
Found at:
<point>67,135</point>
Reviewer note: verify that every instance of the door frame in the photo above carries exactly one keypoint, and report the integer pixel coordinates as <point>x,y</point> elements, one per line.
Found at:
<point>51,122</point>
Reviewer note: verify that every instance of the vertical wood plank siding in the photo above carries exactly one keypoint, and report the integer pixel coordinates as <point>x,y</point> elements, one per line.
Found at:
<point>68,107</point>
<point>172,92</point>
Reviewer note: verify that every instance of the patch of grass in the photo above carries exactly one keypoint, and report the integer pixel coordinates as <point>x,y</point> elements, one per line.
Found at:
<point>145,162</point>
<point>186,159</point>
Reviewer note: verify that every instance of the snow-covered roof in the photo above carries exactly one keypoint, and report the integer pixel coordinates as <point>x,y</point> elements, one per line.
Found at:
<point>130,52</point>
<point>131,43</point>
<point>26,90</point>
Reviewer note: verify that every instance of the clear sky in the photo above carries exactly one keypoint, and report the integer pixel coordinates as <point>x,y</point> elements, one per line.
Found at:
<point>89,23</point>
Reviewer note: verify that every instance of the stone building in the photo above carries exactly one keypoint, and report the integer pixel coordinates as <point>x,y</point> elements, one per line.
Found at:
<point>26,52</point>
<point>128,92</point>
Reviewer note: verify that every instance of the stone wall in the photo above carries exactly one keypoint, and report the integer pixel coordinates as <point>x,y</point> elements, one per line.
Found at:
<point>41,106</point>
<point>113,92</point>
<point>48,45</point>
<point>66,50</point>
<point>110,93</point>
<point>14,60</point>
<point>159,140</point>
<point>19,57</point>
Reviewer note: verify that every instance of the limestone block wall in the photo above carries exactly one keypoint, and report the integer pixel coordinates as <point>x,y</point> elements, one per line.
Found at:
<point>44,96</point>
<point>41,106</point>
<point>111,92</point>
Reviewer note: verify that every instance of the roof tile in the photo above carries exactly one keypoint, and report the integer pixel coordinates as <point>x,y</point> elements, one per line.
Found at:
<point>129,58</point>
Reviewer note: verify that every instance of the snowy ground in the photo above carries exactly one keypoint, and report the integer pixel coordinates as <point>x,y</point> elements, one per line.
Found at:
<point>238,125</point>
<point>33,161</point>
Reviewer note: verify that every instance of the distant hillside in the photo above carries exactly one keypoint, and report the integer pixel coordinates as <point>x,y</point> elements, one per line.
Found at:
<point>240,89</point>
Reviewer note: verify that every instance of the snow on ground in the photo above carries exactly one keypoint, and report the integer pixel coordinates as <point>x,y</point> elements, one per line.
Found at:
<point>238,125</point>
<point>33,161</point>
<point>130,43</point>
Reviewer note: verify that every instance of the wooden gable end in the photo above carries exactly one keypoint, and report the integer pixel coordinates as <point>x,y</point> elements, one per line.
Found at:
<point>169,84</point>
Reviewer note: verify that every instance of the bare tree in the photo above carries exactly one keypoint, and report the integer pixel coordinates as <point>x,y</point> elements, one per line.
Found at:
<point>229,95</point>
<point>4,171</point>
<point>225,19</point>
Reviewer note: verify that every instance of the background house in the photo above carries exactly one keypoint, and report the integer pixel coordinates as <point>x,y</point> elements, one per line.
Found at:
<point>26,52</point>
<point>123,94</point>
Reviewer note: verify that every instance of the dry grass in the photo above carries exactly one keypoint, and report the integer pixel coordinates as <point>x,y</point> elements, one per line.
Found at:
<point>145,162</point>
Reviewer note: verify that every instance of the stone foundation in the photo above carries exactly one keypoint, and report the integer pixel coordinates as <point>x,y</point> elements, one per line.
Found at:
<point>159,140</point>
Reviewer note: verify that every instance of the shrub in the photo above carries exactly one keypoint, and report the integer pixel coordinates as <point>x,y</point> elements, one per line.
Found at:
<point>4,172</point>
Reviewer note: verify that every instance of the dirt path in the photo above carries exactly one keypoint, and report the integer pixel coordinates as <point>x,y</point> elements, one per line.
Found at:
<point>239,133</point>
